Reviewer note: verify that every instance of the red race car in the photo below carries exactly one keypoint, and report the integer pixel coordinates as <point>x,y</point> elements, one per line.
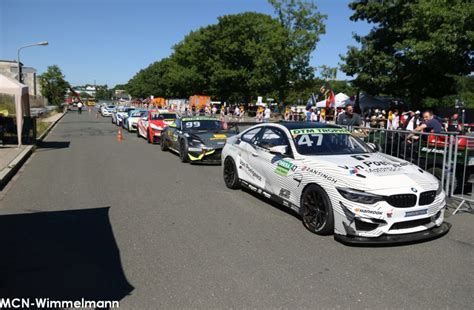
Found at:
<point>153,123</point>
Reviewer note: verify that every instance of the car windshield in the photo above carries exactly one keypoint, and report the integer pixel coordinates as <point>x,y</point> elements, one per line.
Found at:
<point>202,124</point>
<point>327,141</point>
<point>111,107</point>
<point>162,116</point>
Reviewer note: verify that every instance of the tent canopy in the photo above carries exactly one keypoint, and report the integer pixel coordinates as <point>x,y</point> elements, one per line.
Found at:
<point>22,104</point>
<point>369,102</point>
<point>341,101</point>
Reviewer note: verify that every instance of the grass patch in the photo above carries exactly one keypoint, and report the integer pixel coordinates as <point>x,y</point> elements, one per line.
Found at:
<point>41,127</point>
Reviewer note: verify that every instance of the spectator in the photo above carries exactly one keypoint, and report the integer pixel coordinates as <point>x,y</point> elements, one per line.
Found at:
<point>266,114</point>
<point>308,114</point>
<point>394,123</point>
<point>453,124</point>
<point>314,116</point>
<point>349,118</point>
<point>430,124</point>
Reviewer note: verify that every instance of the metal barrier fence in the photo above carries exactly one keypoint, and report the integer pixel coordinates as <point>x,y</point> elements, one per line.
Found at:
<point>448,156</point>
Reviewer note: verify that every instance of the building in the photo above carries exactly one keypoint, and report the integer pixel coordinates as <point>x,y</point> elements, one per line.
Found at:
<point>30,79</point>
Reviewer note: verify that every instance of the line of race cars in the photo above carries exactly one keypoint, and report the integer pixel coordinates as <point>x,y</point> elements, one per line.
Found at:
<point>336,182</point>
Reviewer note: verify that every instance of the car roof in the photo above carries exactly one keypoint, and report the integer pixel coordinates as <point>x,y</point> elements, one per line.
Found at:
<point>300,125</point>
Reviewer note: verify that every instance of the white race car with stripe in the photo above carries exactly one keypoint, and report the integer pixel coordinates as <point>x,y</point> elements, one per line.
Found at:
<point>336,182</point>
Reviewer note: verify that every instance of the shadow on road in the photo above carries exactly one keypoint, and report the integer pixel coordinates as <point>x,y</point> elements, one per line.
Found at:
<point>63,255</point>
<point>54,145</point>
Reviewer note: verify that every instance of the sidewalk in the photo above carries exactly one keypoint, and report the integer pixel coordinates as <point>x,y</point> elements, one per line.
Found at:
<point>12,157</point>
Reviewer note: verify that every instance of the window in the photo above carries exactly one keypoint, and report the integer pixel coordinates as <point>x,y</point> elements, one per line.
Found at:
<point>251,135</point>
<point>272,137</point>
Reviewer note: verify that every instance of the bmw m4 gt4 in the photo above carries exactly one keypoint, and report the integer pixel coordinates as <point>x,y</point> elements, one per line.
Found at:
<point>337,183</point>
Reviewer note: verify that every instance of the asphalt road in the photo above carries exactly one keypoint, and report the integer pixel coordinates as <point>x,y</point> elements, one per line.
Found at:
<point>89,216</point>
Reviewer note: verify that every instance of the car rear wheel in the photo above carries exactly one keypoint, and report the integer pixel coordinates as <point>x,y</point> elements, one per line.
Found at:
<point>231,176</point>
<point>163,144</point>
<point>316,210</point>
<point>183,152</point>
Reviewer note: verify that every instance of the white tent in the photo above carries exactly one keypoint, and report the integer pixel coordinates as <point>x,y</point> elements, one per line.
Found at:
<point>341,101</point>
<point>22,104</point>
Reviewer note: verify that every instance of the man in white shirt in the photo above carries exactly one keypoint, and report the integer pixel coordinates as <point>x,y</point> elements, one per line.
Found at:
<point>266,115</point>
<point>79,107</point>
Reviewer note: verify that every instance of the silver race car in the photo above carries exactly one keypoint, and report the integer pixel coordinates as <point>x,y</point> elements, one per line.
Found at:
<point>337,183</point>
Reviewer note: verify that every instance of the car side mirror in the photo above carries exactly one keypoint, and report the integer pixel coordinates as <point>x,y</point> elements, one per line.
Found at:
<point>279,150</point>
<point>374,147</point>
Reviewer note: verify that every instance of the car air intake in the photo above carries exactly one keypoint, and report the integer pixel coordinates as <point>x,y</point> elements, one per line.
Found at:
<point>427,198</point>
<point>411,224</point>
<point>402,200</point>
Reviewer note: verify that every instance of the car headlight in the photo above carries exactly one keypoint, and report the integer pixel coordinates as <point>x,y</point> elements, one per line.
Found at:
<point>196,143</point>
<point>155,127</point>
<point>440,189</point>
<point>359,196</point>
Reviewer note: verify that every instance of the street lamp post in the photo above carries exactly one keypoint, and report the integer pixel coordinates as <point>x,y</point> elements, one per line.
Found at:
<point>42,43</point>
<point>18,104</point>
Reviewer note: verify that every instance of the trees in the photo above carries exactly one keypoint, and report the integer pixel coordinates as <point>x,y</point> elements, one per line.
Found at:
<point>103,92</point>
<point>240,57</point>
<point>415,49</point>
<point>304,25</point>
<point>53,85</point>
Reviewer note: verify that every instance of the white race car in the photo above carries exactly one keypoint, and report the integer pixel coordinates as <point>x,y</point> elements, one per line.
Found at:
<point>337,183</point>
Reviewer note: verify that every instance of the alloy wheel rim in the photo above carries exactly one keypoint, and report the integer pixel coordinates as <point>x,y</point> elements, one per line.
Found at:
<point>316,214</point>
<point>229,172</point>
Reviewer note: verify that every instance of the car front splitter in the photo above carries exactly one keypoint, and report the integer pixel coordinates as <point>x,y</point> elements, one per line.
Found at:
<point>387,240</point>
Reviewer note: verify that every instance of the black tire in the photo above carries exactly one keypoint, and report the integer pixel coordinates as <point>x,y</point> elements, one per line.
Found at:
<point>163,144</point>
<point>316,210</point>
<point>148,139</point>
<point>231,176</point>
<point>183,152</point>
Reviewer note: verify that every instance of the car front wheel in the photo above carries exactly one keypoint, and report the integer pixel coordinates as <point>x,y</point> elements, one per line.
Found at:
<point>183,152</point>
<point>316,210</point>
<point>163,144</point>
<point>231,176</point>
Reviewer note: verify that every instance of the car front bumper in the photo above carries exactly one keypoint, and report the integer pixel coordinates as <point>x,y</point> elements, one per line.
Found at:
<point>424,235</point>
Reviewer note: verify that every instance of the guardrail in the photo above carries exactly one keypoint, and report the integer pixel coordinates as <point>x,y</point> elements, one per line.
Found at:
<point>448,156</point>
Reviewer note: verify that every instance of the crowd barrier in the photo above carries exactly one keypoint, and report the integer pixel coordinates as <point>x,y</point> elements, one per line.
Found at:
<point>448,156</point>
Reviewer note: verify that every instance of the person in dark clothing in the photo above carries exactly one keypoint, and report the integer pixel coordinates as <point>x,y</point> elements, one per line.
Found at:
<point>453,124</point>
<point>349,118</point>
<point>430,124</point>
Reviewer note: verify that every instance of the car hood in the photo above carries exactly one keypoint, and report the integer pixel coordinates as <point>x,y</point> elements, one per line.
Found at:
<point>212,139</point>
<point>371,172</point>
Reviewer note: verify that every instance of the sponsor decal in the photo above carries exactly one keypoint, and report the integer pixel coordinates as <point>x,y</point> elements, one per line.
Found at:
<point>319,174</point>
<point>308,131</point>
<point>243,165</point>
<point>198,118</point>
<point>366,211</point>
<point>284,167</point>
<point>375,166</point>
<point>415,213</point>
<point>285,193</point>
<point>219,137</point>
<point>390,213</point>
<point>428,150</point>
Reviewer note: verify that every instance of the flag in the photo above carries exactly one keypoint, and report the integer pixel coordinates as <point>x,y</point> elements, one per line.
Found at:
<point>330,99</point>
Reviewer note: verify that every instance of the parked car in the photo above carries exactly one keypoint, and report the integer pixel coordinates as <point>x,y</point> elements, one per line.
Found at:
<point>338,184</point>
<point>196,139</point>
<point>130,122</point>
<point>152,126</point>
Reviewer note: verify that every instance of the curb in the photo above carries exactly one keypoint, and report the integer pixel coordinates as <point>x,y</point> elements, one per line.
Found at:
<point>9,172</point>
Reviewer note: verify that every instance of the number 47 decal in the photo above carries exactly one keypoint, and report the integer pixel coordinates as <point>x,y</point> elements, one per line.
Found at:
<point>306,140</point>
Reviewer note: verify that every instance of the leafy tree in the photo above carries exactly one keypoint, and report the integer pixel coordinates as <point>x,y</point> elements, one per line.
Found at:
<point>53,85</point>
<point>415,49</point>
<point>103,92</point>
<point>304,25</point>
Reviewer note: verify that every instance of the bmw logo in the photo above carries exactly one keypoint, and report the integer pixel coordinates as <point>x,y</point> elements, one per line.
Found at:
<point>414,190</point>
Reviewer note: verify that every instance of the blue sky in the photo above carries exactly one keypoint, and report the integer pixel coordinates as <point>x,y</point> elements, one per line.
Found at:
<point>110,40</point>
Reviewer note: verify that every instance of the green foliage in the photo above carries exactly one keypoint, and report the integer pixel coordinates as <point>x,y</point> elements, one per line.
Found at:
<point>304,25</point>
<point>53,85</point>
<point>103,92</point>
<point>414,49</point>
<point>464,91</point>
<point>241,57</point>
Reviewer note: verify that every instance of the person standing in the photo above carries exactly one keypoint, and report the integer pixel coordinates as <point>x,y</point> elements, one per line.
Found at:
<point>266,115</point>
<point>349,118</point>
<point>79,107</point>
